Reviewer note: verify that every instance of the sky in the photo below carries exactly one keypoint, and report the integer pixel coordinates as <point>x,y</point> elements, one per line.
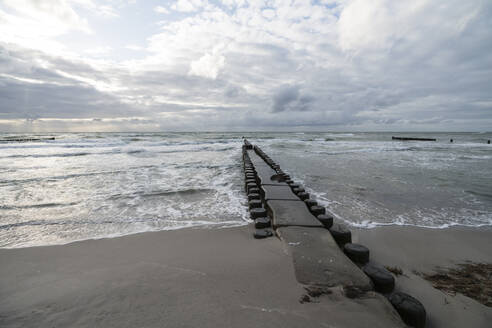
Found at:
<point>238,65</point>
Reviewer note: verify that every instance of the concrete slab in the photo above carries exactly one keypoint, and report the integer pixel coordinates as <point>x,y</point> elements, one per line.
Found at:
<point>319,262</point>
<point>290,213</point>
<point>268,176</point>
<point>255,159</point>
<point>265,173</point>
<point>270,192</point>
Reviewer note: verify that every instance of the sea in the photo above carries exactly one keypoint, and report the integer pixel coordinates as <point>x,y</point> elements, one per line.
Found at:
<point>96,185</point>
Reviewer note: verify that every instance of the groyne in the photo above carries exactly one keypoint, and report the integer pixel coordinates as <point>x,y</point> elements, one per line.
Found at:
<point>413,138</point>
<point>323,254</point>
<point>16,139</point>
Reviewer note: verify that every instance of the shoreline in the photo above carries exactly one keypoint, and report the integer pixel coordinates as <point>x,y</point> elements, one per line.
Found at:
<point>354,228</point>
<point>205,226</point>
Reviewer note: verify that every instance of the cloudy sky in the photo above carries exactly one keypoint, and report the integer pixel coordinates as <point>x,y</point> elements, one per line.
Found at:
<point>135,65</point>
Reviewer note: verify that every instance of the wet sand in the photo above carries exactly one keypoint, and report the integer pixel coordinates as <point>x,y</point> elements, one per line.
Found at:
<point>223,278</point>
<point>421,250</point>
<point>182,278</point>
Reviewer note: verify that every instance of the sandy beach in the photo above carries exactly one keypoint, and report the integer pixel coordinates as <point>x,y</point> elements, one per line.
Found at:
<point>182,278</point>
<point>422,250</point>
<point>220,278</point>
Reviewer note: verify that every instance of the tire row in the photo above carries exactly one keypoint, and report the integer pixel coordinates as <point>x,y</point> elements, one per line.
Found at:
<point>410,309</point>
<point>257,211</point>
<point>318,211</point>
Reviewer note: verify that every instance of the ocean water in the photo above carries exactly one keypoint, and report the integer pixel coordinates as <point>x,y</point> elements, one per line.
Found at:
<point>94,185</point>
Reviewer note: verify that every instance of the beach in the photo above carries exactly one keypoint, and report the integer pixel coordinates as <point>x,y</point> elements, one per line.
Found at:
<point>421,250</point>
<point>183,278</point>
<point>221,278</point>
<point>245,164</point>
<point>151,230</point>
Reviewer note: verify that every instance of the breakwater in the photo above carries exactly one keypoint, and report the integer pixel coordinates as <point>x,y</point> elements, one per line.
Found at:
<point>322,250</point>
<point>413,139</point>
<point>26,139</point>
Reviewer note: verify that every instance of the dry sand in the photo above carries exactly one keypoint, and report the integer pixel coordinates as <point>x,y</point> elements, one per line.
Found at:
<point>183,278</point>
<point>420,250</point>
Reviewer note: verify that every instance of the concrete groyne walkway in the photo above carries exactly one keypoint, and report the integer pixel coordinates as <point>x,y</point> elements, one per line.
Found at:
<point>325,260</point>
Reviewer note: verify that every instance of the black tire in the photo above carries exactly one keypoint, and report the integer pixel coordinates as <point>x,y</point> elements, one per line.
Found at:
<point>383,280</point>
<point>298,190</point>
<point>262,233</point>
<point>341,234</point>
<point>250,186</point>
<point>310,202</point>
<point>357,253</point>
<point>326,220</point>
<point>249,180</point>
<point>253,196</point>
<point>262,223</point>
<point>410,309</point>
<point>303,195</point>
<point>255,203</point>
<point>317,210</point>
<point>257,213</point>
<point>255,190</point>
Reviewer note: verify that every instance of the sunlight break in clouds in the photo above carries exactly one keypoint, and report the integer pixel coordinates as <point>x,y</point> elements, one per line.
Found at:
<point>194,65</point>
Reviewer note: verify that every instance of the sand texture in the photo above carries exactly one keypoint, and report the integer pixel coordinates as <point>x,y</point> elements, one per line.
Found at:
<point>419,250</point>
<point>182,278</point>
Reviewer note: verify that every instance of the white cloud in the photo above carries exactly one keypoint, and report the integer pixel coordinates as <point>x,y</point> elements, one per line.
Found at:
<point>161,10</point>
<point>51,17</point>
<point>208,65</point>
<point>188,5</point>
<point>107,11</point>
<point>37,24</point>
<point>269,64</point>
<point>268,13</point>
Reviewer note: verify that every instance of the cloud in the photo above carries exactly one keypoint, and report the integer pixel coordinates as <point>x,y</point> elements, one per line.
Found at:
<point>207,66</point>
<point>161,10</point>
<point>188,5</point>
<point>249,64</point>
<point>133,47</point>
<point>50,17</point>
<point>289,98</point>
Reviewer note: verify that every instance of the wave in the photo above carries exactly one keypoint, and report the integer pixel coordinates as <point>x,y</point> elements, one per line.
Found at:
<point>478,193</point>
<point>118,151</point>
<point>372,225</point>
<point>43,205</point>
<point>419,219</point>
<point>159,193</point>
<point>193,165</point>
<point>68,222</point>
<point>58,177</point>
